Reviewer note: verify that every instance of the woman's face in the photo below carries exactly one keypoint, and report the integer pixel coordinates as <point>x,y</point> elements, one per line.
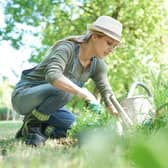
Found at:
<point>103,45</point>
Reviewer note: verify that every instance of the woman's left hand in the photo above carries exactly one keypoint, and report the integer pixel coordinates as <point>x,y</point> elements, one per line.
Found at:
<point>112,109</point>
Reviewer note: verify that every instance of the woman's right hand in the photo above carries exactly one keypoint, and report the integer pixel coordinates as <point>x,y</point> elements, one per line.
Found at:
<point>92,102</point>
<point>86,95</point>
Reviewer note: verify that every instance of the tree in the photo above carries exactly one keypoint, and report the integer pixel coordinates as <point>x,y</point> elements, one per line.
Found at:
<point>144,34</point>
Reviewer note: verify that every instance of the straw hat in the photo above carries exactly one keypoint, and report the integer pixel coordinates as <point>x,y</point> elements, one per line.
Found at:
<point>107,25</point>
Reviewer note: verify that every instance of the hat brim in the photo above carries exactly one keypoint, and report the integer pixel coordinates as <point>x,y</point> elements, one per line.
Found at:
<point>93,28</point>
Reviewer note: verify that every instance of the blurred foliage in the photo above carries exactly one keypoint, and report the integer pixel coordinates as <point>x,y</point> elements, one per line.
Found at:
<point>145,30</point>
<point>159,80</point>
<point>5,93</point>
<point>149,151</point>
<point>5,100</point>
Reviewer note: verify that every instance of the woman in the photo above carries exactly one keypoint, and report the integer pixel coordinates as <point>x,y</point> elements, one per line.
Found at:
<point>44,90</point>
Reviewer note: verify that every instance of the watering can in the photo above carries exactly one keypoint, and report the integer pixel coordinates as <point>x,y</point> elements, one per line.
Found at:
<point>138,107</point>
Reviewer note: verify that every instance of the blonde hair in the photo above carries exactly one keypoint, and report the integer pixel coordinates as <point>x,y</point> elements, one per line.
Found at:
<point>84,38</point>
<point>81,38</point>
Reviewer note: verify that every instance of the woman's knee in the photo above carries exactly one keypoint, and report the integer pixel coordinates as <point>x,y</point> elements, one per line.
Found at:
<point>62,119</point>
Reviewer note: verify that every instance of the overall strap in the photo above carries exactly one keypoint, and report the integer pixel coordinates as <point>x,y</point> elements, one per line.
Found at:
<point>73,66</point>
<point>75,58</point>
<point>93,66</point>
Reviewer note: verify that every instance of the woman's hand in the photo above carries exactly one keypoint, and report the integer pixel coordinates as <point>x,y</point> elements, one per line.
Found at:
<point>112,109</point>
<point>90,99</point>
<point>87,95</point>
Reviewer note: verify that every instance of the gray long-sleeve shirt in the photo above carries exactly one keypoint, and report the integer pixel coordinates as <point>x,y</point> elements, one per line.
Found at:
<point>59,60</point>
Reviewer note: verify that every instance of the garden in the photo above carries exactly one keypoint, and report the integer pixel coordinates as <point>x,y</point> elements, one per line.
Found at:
<point>95,139</point>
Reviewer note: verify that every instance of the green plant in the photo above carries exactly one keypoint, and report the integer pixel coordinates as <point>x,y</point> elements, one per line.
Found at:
<point>89,120</point>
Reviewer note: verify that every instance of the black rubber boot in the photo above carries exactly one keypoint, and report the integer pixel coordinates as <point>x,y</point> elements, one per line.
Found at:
<point>53,132</point>
<point>31,131</point>
<point>35,137</point>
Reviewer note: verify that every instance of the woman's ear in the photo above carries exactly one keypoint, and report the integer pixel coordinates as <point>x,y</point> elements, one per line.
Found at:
<point>95,36</point>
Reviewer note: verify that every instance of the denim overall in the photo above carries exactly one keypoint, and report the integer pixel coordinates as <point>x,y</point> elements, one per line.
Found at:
<point>48,99</point>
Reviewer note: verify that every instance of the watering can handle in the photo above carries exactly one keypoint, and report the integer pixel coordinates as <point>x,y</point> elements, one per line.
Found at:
<point>134,85</point>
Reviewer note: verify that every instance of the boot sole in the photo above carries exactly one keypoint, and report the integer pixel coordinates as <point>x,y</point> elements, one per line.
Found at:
<point>35,139</point>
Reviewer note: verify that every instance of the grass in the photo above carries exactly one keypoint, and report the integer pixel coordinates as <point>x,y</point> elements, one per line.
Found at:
<point>100,147</point>
<point>17,154</point>
<point>56,153</point>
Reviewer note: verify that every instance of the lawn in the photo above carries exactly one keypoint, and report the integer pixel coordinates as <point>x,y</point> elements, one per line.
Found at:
<point>56,153</point>
<point>93,151</point>
<point>98,147</point>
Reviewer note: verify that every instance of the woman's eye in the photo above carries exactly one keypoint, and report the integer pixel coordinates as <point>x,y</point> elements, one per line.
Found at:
<point>109,43</point>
